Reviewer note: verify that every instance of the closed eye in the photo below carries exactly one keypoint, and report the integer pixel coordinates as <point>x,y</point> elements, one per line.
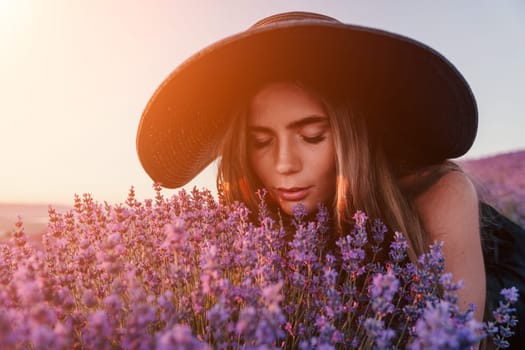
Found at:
<point>314,139</point>
<point>260,143</point>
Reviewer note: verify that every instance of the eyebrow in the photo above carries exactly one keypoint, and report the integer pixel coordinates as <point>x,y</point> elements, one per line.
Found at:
<point>296,124</point>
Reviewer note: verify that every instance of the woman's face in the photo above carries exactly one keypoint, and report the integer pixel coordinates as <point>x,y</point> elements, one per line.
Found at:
<point>290,146</point>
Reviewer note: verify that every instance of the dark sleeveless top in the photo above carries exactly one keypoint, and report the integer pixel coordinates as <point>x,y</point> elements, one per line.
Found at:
<point>503,244</point>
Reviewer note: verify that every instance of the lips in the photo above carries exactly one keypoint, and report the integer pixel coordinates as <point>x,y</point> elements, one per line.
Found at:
<point>293,193</point>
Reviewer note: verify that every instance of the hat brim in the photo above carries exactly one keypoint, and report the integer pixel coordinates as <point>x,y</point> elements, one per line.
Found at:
<point>416,101</point>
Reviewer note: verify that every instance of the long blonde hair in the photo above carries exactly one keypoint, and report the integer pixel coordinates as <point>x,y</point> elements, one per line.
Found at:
<point>365,178</point>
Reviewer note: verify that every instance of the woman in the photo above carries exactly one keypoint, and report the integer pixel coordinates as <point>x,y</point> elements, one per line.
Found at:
<point>314,110</point>
<point>291,141</point>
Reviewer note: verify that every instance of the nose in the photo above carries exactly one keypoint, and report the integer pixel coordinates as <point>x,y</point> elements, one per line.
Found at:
<point>287,159</point>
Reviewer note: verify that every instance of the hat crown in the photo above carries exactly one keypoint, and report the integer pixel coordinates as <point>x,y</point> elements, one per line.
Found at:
<point>292,17</point>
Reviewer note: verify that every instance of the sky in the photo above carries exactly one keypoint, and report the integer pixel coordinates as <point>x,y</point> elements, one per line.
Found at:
<point>75,76</point>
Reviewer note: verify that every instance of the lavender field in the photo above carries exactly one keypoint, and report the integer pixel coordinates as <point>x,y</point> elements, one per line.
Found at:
<point>187,272</point>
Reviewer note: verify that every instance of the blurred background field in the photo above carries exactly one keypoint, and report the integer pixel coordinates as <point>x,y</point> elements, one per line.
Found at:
<point>500,180</point>
<point>34,217</point>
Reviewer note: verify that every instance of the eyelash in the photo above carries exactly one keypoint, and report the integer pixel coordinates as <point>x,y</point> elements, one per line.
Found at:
<point>312,140</point>
<point>315,139</point>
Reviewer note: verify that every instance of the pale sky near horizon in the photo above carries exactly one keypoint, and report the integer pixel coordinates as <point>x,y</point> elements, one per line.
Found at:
<point>75,77</point>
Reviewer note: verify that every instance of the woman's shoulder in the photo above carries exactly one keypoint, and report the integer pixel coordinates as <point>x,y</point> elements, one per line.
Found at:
<point>435,180</point>
<point>452,191</point>
<point>449,201</point>
<point>450,185</point>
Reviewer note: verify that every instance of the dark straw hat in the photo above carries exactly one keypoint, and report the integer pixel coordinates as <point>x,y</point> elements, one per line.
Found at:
<point>415,101</point>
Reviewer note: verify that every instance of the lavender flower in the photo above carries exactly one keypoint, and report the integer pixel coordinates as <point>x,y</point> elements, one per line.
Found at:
<point>382,336</point>
<point>510,294</point>
<point>504,319</point>
<point>352,256</point>
<point>382,291</point>
<point>438,329</point>
<point>98,332</point>
<point>398,248</point>
<point>359,235</point>
<point>378,231</point>
<point>179,338</point>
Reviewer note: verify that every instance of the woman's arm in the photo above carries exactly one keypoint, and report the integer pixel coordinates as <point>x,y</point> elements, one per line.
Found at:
<point>449,213</point>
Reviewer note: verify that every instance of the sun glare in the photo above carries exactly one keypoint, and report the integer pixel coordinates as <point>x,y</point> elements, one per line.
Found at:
<point>12,14</point>
<point>6,8</point>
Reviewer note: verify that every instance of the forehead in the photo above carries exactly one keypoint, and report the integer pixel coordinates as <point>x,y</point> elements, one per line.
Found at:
<point>286,100</point>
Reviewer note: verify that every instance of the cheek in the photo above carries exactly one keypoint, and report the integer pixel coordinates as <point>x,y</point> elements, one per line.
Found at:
<point>323,161</point>
<point>326,171</point>
<point>257,164</point>
<point>328,179</point>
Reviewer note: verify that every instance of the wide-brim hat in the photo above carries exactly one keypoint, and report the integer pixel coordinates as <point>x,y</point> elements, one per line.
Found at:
<point>415,101</point>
